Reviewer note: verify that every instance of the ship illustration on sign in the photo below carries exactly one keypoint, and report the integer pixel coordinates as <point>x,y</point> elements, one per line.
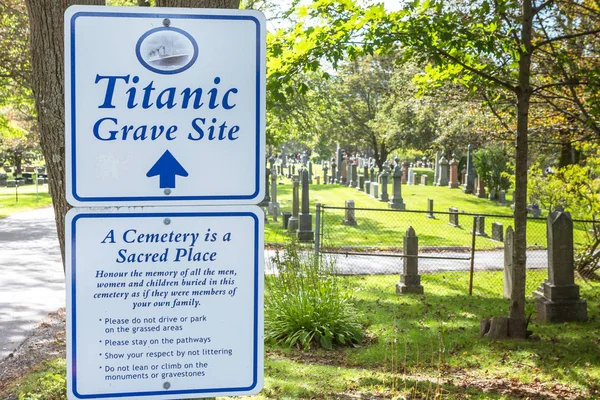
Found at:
<point>167,50</point>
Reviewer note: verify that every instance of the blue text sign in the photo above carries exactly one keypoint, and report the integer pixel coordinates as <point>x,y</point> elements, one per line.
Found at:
<point>164,303</point>
<point>164,106</point>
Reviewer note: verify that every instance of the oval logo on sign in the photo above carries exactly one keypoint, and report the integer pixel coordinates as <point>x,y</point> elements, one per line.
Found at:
<point>166,50</point>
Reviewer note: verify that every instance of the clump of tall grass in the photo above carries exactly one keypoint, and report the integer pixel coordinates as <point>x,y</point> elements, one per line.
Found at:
<point>306,303</point>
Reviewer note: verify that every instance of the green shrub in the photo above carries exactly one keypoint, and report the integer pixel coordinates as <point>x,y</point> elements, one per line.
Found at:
<point>306,303</point>
<point>48,384</point>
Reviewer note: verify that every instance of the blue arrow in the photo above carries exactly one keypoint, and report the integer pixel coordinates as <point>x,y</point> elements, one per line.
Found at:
<point>167,167</point>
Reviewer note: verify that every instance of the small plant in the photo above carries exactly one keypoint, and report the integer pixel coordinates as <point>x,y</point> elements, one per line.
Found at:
<point>306,303</point>
<point>48,384</point>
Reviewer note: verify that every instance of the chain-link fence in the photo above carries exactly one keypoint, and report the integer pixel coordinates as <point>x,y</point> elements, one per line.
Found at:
<point>450,244</point>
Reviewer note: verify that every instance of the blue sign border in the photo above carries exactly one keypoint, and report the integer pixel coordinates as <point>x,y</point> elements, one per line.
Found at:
<point>74,302</point>
<point>164,198</point>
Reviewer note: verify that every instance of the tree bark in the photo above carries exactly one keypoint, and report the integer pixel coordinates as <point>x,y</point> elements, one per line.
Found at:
<point>47,53</point>
<point>46,19</point>
<point>517,322</point>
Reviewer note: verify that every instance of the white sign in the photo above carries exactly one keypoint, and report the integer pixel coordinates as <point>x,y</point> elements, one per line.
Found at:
<point>164,303</point>
<point>164,106</point>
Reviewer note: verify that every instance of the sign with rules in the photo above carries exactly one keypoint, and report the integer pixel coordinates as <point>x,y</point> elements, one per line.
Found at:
<point>164,106</point>
<point>164,303</point>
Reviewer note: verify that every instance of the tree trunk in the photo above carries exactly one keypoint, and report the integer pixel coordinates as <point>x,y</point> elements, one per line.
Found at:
<point>517,321</point>
<point>47,53</point>
<point>46,19</point>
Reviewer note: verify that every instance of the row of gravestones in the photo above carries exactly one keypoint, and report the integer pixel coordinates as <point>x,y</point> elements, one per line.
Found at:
<point>558,298</point>
<point>299,220</point>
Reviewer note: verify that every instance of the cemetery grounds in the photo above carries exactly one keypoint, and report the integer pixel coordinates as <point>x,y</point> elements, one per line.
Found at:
<point>414,346</point>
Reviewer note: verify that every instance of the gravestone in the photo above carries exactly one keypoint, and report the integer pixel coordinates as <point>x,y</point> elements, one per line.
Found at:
<point>410,180</point>
<point>273,204</point>
<point>334,173</point>
<point>361,183</point>
<point>534,210</point>
<point>436,167</point>
<point>304,158</point>
<point>396,201</point>
<point>293,222</point>
<point>405,166</point>
<point>318,179</point>
<point>349,218</point>
<point>310,172</point>
<point>502,198</point>
<point>289,175</point>
<point>267,199</point>
<point>558,297</point>
<point>372,173</point>
<point>453,181</point>
<point>509,246</point>
<point>497,232</point>
<point>353,175</point>
<point>480,192</point>
<point>469,182</point>
<point>325,169</point>
<point>375,189</point>
<point>286,219</point>
<point>463,175</point>
<point>410,280</point>
<point>480,226</point>
<point>414,179</point>
<point>11,183</point>
<point>293,169</point>
<point>430,208</point>
<point>338,160</point>
<point>305,232</point>
<point>442,172</point>
<point>283,157</point>
<point>385,176</point>
<point>453,217</point>
<point>344,172</point>
<point>424,180</point>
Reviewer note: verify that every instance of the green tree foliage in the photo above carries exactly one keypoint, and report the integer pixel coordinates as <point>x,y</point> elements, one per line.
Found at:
<point>492,165</point>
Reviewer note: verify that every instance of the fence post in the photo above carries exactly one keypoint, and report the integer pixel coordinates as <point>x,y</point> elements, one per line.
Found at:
<point>318,229</point>
<point>473,234</point>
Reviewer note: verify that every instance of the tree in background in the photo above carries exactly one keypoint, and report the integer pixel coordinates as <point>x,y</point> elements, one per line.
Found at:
<point>491,164</point>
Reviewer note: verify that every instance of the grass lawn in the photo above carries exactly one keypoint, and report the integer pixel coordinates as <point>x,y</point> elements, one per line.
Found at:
<point>385,229</point>
<point>26,200</point>
<point>420,346</point>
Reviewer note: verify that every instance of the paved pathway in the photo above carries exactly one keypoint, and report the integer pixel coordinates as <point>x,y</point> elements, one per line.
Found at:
<point>32,281</point>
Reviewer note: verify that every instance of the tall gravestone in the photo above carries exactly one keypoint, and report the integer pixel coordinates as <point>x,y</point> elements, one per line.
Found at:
<point>453,182</point>
<point>293,221</point>
<point>497,232</point>
<point>385,176</point>
<point>305,232</point>
<point>334,173</point>
<point>372,173</point>
<point>325,169</point>
<point>411,177</point>
<point>338,161</point>
<point>405,166</point>
<point>436,167</point>
<point>283,157</point>
<point>430,209</point>
<point>509,246</point>
<point>354,175</point>
<point>349,181</point>
<point>410,281</point>
<point>310,172</point>
<point>396,201</point>
<point>480,192</point>
<point>442,172</point>
<point>468,185</point>
<point>274,209</point>
<point>344,172</point>
<point>558,297</point>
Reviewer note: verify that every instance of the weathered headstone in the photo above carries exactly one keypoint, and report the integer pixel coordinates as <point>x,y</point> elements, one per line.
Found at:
<point>334,173</point>
<point>558,297</point>
<point>325,169</point>
<point>289,171</point>
<point>410,179</point>
<point>354,175</point>
<point>424,180</point>
<point>372,172</point>
<point>480,192</point>
<point>385,176</point>
<point>283,157</point>
<point>534,210</point>
<point>349,217</point>
<point>318,179</point>
<point>453,217</point>
<point>350,164</point>
<point>410,280</point>
<point>305,232</point>
<point>293,169</point>
<point>286,219</point>
<point>338,161</point>
<point>453,182</point>
<point>469,181</point>
<point>430,208</point>
<point>436,167</point>
<point>497,232</point>
<point>404,178</point>
<point>396,201</point>
<point>273,204</point>
<point>375,189</point>
<point>310,172</point>
<point>480,226</point>
<point>414,178</point>
<point>344,172</point>
<point>502,198</point>
<point>442,172</point>
<point>361,183</point>
<point>509,246</point>
<point>293,222</point>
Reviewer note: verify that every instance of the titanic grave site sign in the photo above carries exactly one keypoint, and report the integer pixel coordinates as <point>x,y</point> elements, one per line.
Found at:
<point>164,106</point>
